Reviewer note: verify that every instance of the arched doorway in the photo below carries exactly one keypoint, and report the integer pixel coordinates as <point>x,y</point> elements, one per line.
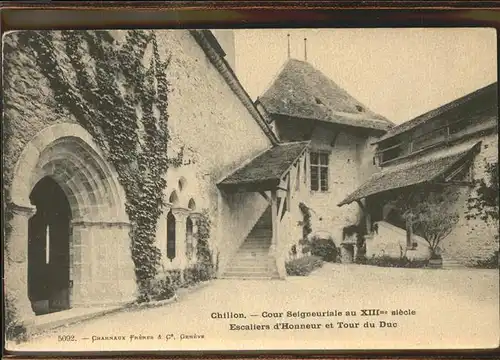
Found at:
<point>48,248</point>
<point>63,160</point>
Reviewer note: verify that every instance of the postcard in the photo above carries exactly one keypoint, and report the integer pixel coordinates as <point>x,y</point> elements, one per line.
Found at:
<point>251,189</point>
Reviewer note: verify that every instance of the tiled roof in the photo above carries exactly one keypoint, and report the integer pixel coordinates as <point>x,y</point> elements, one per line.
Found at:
<point>423,170</point>
<point>266,169</point>
<point>487,96</point>
<point>303,92</point>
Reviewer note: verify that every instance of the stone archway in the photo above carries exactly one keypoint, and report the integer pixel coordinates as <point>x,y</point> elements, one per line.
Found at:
<point>101,270</point>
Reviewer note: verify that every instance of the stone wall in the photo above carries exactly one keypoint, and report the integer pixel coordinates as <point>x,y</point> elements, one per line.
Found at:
<point>29,105</point>
<point>350,164</point>
<point>471,240</point>
<point>474,240</point>
<point>390,240</point>
<point>218,134</point>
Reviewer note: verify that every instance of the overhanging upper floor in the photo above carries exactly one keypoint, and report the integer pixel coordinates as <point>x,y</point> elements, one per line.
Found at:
<point>421,171</point>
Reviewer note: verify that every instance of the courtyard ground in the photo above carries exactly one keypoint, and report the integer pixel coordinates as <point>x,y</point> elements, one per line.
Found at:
<point>456,308</point>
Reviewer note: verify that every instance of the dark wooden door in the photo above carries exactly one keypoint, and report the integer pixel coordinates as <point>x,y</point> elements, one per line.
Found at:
<point>48,248</point>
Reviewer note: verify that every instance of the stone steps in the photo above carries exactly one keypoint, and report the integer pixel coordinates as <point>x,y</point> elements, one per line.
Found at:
<point>251,260</point>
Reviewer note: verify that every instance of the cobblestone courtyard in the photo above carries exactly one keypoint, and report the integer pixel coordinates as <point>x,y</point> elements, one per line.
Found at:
<point>452,308</point>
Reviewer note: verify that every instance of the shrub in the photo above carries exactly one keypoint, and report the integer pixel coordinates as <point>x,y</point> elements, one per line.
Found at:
<point>491,263</point>
<point>14,328</point>
<point>197,273</point>
<point>191,276</point>
<point>161,288</point>
<point>303,266</point>
<point>324,249</point>
<point>404,262</point>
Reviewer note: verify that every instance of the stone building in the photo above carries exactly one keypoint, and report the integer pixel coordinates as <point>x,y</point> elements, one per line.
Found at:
<point>69,242</point>
<point>452,146</point>
<point>302,104</point>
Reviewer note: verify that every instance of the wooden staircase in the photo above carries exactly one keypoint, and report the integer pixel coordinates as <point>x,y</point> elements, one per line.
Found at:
<point>252,260</point>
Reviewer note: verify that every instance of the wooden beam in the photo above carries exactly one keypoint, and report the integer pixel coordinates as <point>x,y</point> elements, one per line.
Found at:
<point>281,204</point>
<point>297,178</point>
<point>306,167</point>
<point>274,218</point>
<point>361,205</point>
<point>265,196</point>
<point>284,182</point>
<point>334,139</point>
<point>283,211</point>
<point>288,194</point>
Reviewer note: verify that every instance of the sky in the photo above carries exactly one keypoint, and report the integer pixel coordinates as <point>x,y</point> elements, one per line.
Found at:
<point>398,73</point>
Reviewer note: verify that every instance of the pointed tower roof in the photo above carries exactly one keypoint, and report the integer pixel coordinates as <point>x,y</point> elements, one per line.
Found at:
<point>301,91</point>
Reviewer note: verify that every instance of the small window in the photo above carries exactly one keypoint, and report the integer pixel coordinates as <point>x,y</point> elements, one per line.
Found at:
<point>192,205</point>
<point>182,183</point>
<point>319,171</point>
<point>391,154</point>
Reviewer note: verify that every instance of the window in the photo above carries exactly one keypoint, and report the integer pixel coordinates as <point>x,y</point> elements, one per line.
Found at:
<point>390,149</point>
<point>429,139</point>
<point>170,236</point>
<point>189,238</point>
<point>319,171</point>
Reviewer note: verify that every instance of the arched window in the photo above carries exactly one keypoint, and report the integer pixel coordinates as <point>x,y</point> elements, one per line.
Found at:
<point>170,236</point>
<point>192,205</point>
<point>182,183</point>
<point>174,198</point>
<point>189,238</point>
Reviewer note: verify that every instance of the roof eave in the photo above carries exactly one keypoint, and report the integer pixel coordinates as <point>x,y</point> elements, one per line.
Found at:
<point>446,108</point>
<point>262,184</point>
<point>373,128</point>
<point>466,157</point>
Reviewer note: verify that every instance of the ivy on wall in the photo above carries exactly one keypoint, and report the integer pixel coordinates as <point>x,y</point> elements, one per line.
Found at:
<point>483,204</point>
<point>124,106</point>
<point>306,226</point>
<point>206,263</point>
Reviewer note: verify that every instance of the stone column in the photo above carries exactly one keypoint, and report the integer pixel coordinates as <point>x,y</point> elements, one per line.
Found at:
<point>181,215</point>
<point>16,262</point>
<point>195,217</point>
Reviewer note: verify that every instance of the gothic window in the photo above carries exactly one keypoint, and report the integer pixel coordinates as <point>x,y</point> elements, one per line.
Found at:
<point>173,198</point>
<point>192,205</point>
<point>170,236</point>
<point>319,171</point>
<point>189,238</point>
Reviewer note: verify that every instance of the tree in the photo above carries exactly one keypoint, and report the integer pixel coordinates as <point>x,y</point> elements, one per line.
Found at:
<point>430,210</point>
<point>483,204</point>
